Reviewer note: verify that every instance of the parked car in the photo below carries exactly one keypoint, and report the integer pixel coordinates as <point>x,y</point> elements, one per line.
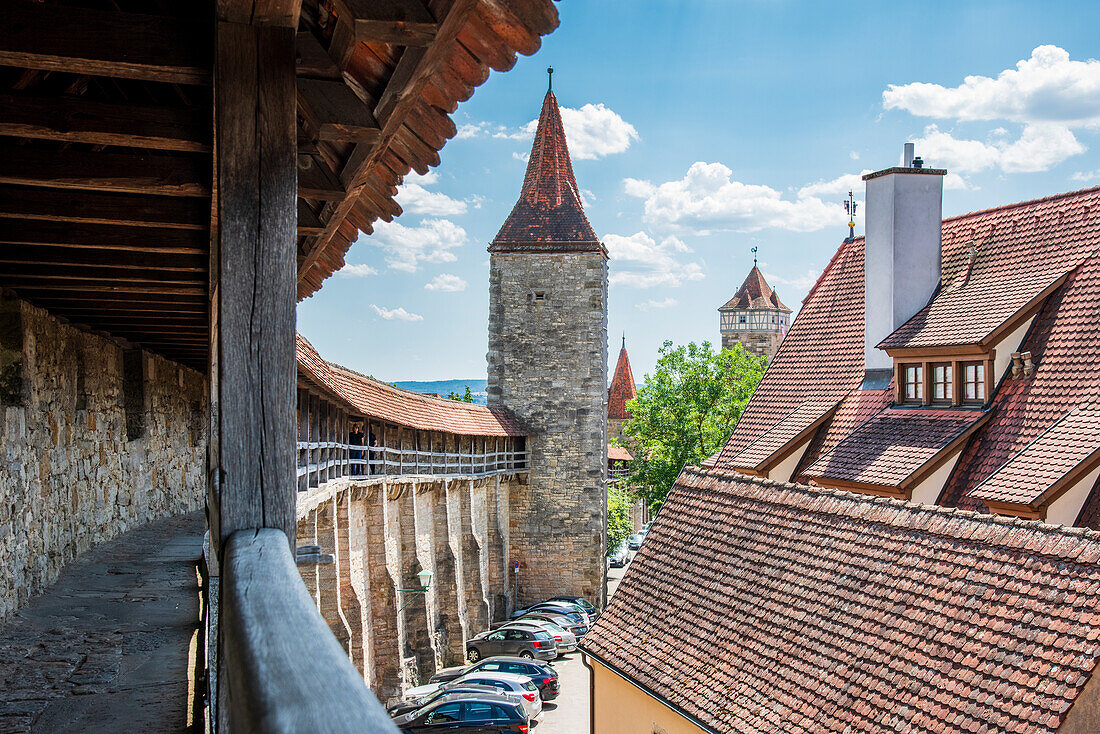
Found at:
<point>560,620</point>
<point>634,542</point>
<point>542,674</point>
<point>524,643</point>
<point>620,557</point>
<point>566,608</point>
<point>567,641</point>
<point>581,602</point>
<point>513,685</point>
<point>421,696</point>
<point>478,713</point>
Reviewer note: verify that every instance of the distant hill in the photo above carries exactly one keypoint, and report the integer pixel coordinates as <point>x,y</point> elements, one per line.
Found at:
<point>446,387</point>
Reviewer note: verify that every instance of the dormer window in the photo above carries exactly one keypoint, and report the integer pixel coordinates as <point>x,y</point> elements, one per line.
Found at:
<point>942,383</point>
<point>913,383</point>
<point>973,374</point>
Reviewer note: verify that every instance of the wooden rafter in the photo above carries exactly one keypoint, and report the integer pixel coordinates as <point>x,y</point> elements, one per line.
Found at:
<point>335,112</point>
<point>133,173</point>
<point>77,120</point>
<point>400,22</point>
<point>58,205</point>
<point>103,237</point>
<point>104,43</point>
<point>412,72</point>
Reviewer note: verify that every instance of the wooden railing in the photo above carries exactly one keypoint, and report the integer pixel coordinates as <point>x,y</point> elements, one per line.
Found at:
<point>286,671</point>
<point>322,461</point>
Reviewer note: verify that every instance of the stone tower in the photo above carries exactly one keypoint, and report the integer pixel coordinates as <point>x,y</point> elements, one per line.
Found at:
<point>755,317</point>
<point>548,364</point>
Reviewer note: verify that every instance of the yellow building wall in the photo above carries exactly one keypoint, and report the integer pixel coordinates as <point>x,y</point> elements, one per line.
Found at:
<point>622,708</point>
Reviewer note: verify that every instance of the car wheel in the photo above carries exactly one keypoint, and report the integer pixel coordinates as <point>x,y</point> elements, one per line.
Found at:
<point>527,654</point>
<point>473,654</point>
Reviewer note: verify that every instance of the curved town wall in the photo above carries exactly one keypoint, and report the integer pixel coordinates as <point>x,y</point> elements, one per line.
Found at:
<point>96,440</point>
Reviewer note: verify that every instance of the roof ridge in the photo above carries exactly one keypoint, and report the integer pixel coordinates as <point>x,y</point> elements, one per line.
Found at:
<point>1024,203</point>
<point>411,393</point>
<point>854,498</point>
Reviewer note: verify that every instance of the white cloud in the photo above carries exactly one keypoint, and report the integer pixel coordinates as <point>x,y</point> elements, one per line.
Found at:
<point>406,248</point>
<point>853,155</point>
<point>708,199</point>
<point>640,261</point>
<point>399,313</point>
<point>593,131</point>
<point>1047,87</point>
<point>652,305</point>
<point>799,283</point>
<point>415,199</point>
<point>1040,147</point>
<point>1086,176</point>
<point>840,185</point>
<point>357,271</point>
<point>447,283</point>
<point>470,130</point>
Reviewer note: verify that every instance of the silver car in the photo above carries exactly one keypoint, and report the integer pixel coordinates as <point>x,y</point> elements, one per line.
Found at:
<point>512,685</point>
<point>567,641</point>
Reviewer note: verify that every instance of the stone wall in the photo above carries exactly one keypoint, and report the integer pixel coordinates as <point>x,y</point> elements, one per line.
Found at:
<point>95,440</point>
<point>547,363</point>
<point>381,532</point>
<point>760,343</point>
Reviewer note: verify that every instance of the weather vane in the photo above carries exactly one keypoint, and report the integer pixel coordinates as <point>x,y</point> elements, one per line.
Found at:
<point>850,209</point>
<point>549,78</point>
<point>754,256</point>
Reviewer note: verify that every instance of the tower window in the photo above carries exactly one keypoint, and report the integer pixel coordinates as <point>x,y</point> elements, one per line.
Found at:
<point>538,296</point>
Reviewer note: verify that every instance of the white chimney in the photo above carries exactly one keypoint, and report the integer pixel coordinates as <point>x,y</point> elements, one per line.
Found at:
<point>901,264</point>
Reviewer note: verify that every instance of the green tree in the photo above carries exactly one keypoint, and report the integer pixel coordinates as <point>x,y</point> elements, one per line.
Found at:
<point>619,526</point>
<point>686,411</point>
<point>466,397</point>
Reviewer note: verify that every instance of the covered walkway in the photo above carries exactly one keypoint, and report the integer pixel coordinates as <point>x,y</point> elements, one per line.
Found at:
<point>109,646</point>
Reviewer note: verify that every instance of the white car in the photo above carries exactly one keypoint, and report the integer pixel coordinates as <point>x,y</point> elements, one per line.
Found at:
<point>567,641</point>
<point>513,685</point>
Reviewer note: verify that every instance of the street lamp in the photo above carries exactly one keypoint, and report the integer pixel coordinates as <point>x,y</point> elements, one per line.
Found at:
<point>425,579</point>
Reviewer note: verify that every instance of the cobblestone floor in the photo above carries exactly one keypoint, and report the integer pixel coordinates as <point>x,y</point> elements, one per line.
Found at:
<point>106,647</point>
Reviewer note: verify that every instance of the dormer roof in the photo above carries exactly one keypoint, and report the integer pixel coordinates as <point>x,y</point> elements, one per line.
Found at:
<point>755,293</point>
<point>549,215</point>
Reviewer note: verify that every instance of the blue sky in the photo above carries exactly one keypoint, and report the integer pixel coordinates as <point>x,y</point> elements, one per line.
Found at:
<point>700,129</point>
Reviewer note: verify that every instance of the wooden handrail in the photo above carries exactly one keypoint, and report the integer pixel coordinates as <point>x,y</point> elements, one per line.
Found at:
<point>286,672</point>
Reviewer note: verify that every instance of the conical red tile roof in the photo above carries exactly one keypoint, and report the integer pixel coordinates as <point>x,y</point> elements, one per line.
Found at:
<point>622,387</point>
<point>549,214</point>
<point>755,293</point>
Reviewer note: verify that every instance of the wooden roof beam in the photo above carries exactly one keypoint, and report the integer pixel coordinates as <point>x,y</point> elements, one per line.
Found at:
<point>104,237</point>
<point>99,258</point>
<point>59,205</point>
<point>336,112</point>
<point>105,43</point>
<point>316,181</point>
<point>77,120</point>
<point>133,173</point>
<point>400,22</point>
<point>411,73</point>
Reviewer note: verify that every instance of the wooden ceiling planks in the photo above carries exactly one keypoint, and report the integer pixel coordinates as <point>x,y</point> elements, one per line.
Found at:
<point>106,131</point>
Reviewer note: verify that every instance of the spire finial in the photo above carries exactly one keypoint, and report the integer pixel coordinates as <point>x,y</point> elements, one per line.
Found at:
<point>754,249</point>
<point>549,78</point>
<point>850,209</point>
<point>624,340</point>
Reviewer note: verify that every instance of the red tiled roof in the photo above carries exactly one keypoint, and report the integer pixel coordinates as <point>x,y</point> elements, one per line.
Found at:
<point>548,214</point>
<point>622,387</point>
<point>618,453</point>
<point>790,429</point>
<point>822,354</point>
<point>1035,471</point>
<point>755,293</point>
<point>375,399</point>
<point>892,446</point>
<point>821,358</point>
<point>765,607</point>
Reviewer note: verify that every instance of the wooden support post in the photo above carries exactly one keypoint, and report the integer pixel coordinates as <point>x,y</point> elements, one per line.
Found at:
<point>253,274</point>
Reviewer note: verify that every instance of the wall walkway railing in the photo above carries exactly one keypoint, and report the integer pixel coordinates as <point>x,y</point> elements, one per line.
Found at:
<point>323,461</point>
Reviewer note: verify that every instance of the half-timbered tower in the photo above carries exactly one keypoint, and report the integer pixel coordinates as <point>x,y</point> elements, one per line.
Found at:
<point>548,365</point>
<point>755,317</point>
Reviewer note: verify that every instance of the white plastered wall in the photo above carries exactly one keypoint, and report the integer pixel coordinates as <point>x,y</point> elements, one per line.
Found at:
<point>928,491</point>
<point>1005,347</point>
<point>782,471</point>
<point>1065,509</point>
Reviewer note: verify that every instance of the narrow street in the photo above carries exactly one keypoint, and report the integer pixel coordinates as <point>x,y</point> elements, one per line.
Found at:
<point>569,713</point>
